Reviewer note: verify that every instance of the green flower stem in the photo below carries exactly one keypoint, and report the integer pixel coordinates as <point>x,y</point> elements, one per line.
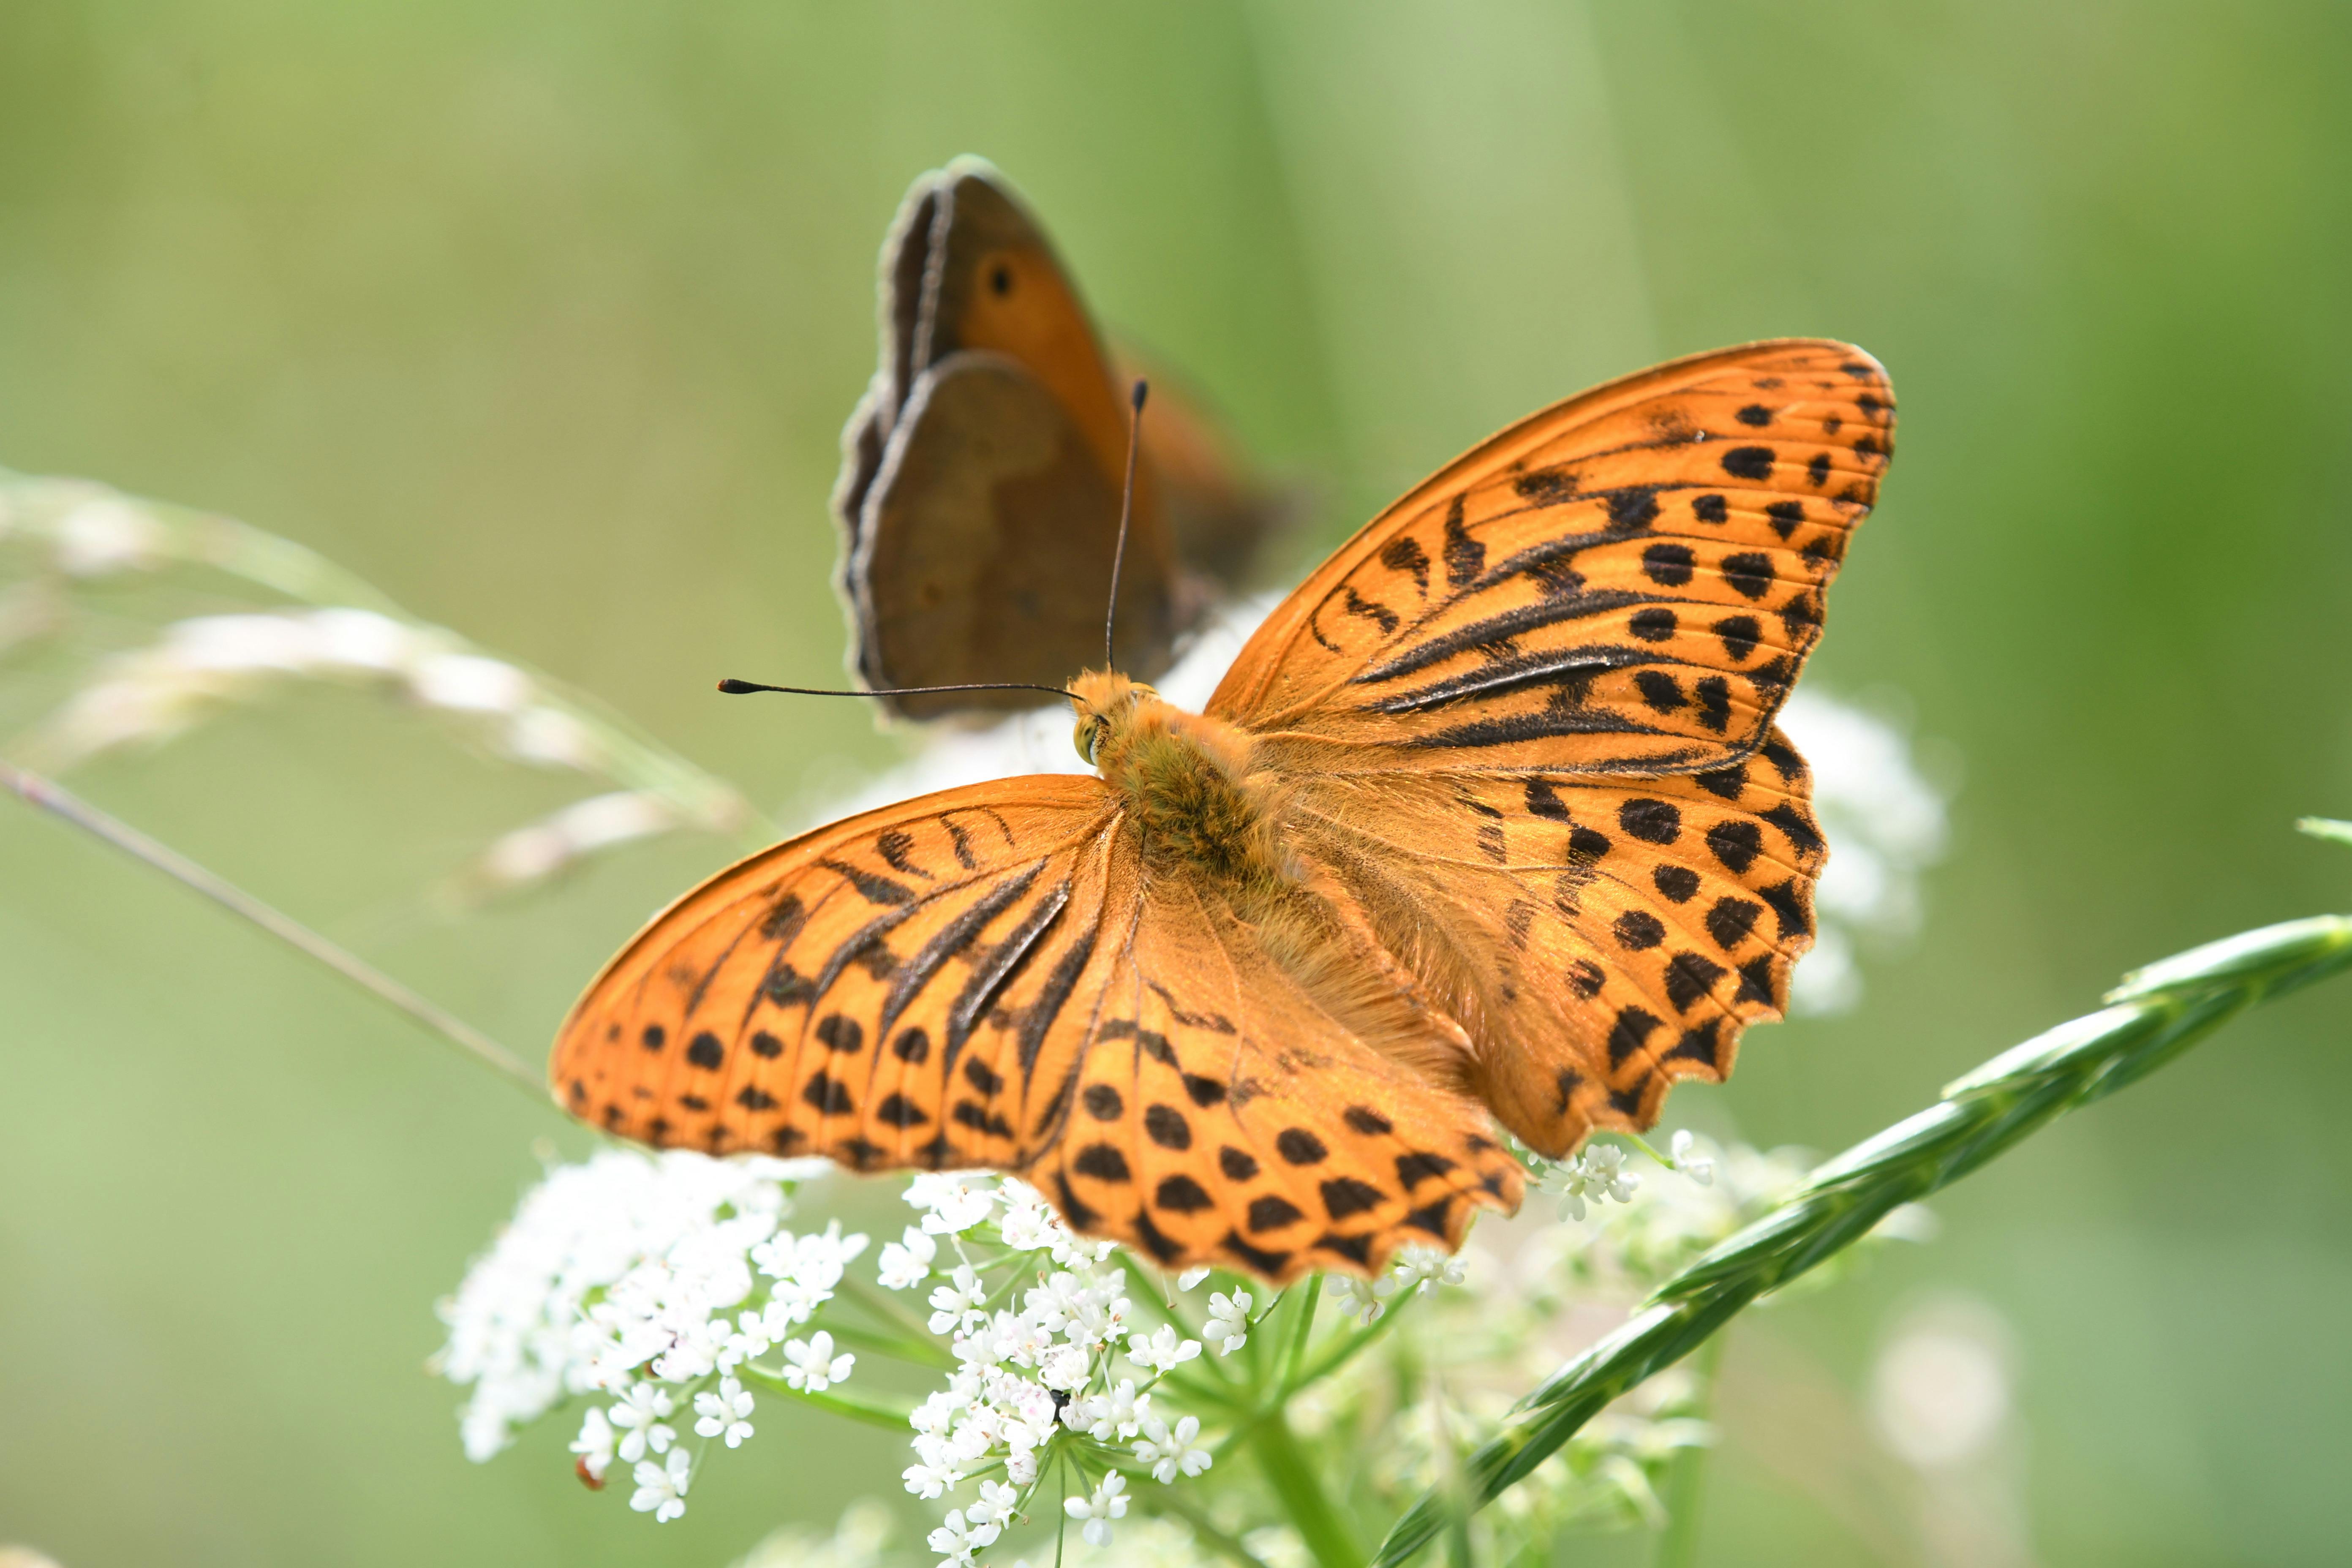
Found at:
<point>1687,1477</point>
<point>912,1342</point>
<point>856,1406</point>
<point>1345,1350</point>
<point>1177,1501</point>
<point>922,1353</point>
<point>1292,1476</point>
<point>2156,1013</point>
<point>1150,1291</point>
<point>1310,1297</point>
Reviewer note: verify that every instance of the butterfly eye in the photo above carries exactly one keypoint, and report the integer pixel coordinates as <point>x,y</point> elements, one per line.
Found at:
<point>1088,732</point>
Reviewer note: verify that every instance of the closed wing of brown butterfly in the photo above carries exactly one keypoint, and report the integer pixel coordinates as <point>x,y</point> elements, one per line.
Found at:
<point>979,496</point>
<point>1489,822</point>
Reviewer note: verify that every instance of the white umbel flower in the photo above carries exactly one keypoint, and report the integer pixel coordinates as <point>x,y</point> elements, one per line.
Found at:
<point>954,1201</point>
<point>1415,1268</point>
<point>1597,1174</point>
<point>1605,1175</point>
<point>1691,1160</point>
<point>1228,1324</point>
<point>1163,1352</point>
<point>638,1417</point>
<point>811,1365</point>
<point>907,1262</point>
<point>1171,1451</point>
<point>960,1536</point>
<point>1096,1512</point>
<point>725,1412</point>
<point>661,1488</point>
<point>1356,1299</point>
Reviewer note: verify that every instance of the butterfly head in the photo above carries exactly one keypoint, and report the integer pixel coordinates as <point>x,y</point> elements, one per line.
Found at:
<point>1106,703</point>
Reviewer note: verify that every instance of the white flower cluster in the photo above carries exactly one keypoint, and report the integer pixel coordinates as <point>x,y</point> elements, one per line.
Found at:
<point>1596,1175</point>
<point>1041,1324</point>
<point>1412,1272</point>
<point>654,1283</point>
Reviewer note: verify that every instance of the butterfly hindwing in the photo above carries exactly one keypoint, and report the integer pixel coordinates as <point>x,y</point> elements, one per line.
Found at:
<point>1628,582</point>
<point>1221,1114</point>
<point>1601,939</point>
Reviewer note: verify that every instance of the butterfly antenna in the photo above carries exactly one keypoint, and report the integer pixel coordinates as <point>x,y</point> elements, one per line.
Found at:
<point>1126,513</point>
<point>734,688</point>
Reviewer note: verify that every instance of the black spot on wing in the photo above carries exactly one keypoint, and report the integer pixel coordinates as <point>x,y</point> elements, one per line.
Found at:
<point>1272,1212</point>
<point>1788,903</point>
<point>1464,554</point>
<point>873,887</point>
<point>1730,920</point>
<point>1668,564</point>
<point>1740,634</point>
<point>1346,1195</point>
<point>1378,614</point>
<point>1750,573</point>
<point>1182,1194</point>
<point>1157,1242</point>
<point>1631,1031</point>
<point>1736,843</point>
<point>1651,821</point>
<point>1675,883</point>
<point>1690,976</point>
<point>1404,554</point>
<point>1543,800</point>
<point>894,845</point>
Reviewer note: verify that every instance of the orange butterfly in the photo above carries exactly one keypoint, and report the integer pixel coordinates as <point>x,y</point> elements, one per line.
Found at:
<point>1490,818</point>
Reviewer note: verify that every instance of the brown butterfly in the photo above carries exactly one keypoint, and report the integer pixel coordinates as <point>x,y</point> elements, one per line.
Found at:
<point>1489,819</point>
<point>980,477</point>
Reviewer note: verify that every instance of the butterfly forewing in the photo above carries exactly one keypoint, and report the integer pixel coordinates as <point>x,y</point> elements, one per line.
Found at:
<point>860,992</point>
<point>987,978</point>
<point>1627,582</point>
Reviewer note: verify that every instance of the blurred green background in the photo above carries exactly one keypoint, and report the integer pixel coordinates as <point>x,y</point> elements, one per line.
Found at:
<point>545,317</point>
